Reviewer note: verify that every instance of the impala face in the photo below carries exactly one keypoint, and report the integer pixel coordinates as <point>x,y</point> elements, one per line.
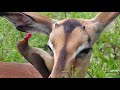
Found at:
<point>71,45</point>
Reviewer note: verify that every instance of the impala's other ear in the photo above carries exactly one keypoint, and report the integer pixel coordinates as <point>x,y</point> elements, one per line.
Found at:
<point>102,19</point>
<point>100,22</point>
<point>29,21</point>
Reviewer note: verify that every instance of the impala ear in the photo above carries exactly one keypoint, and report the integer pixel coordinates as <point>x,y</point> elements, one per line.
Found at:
<point>29,22</point>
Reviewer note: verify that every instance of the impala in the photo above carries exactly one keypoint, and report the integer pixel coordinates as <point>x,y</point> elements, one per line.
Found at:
<point>70,40</point>
<point>18,70</point>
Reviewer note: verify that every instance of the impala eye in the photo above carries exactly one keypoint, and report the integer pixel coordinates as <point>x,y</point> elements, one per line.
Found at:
<point>84,52</point>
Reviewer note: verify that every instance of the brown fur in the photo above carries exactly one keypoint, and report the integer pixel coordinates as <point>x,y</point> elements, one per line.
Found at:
<point>18,70</point>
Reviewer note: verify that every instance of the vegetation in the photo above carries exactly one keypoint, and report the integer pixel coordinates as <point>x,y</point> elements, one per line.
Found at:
<point>105,61</point>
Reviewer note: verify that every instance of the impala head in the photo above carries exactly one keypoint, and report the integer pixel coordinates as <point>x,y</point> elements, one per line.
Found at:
<point>71,45</point>
<point>70,40</point>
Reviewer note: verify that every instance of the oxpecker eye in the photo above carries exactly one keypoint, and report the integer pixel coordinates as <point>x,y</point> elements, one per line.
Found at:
<point>23,41</point>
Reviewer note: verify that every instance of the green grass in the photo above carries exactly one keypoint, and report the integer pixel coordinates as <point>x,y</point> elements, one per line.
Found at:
<point>105,61</point>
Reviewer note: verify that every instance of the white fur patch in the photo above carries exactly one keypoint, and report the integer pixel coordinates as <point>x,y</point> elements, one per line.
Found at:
<point>80,49</point>
<point>51,46</point>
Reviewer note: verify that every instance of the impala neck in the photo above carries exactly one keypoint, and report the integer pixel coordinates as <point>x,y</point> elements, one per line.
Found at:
<point>102,19</point>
